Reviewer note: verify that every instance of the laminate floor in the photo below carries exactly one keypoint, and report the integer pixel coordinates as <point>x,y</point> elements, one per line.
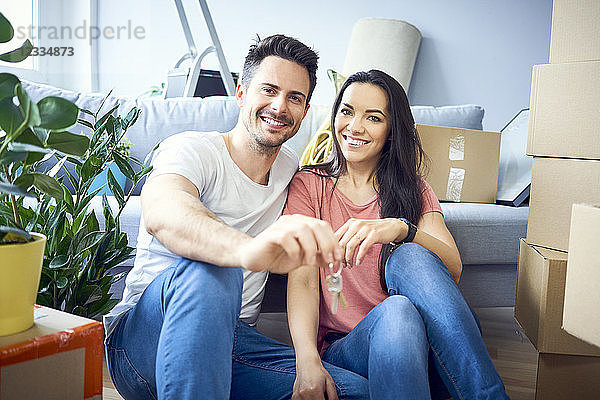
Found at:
<point>513,355</point>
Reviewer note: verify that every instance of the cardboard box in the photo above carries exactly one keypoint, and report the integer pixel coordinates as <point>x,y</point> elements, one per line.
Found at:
<point>556,184</point>
<point>562,377</point>
<point>464,163</point>
<point>575,31</point>
<point>539,301</point>
<point>564,120</point>
<point>581,316</point>
<point>60,357</point>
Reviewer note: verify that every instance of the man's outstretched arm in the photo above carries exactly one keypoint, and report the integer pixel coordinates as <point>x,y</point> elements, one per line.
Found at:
<point>174,215</point>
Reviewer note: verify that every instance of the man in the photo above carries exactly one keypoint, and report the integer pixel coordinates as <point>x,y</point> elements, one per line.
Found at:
<point>183,329</point>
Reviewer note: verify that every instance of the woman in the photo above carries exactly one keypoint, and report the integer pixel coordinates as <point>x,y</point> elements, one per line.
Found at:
<point>404,310</point>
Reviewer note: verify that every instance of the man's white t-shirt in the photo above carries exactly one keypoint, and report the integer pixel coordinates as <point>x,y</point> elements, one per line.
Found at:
<point>227,192</point>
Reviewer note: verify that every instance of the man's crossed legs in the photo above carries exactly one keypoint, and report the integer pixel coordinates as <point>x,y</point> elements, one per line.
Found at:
<point>183,340</point>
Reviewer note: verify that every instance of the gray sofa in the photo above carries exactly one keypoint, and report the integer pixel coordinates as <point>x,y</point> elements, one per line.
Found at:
<point>487,235</point>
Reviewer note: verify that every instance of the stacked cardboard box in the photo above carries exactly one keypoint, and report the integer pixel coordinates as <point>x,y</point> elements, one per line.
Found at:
<point>564,140</point>
<point>60,357</point>
<point>464,163</point>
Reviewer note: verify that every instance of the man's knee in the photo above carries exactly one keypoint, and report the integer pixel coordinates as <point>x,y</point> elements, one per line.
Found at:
<point>205,285</point>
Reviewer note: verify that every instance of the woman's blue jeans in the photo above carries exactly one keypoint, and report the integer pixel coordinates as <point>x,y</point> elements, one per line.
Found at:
<point>183,340</point>
<point>425,322</point>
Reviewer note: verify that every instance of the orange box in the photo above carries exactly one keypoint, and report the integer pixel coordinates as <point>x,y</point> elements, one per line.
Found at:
<point>60,357</point>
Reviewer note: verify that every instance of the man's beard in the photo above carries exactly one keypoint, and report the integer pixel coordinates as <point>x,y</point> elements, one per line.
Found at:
<point>260,144</point>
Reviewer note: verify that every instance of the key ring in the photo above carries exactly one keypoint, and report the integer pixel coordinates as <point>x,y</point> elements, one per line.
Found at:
<point>335,274</point>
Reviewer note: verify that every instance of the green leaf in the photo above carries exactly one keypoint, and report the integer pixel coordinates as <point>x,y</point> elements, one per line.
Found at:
<point>89,168</point>
<point>68,198</point>
<point>120,259</point>
<point>90,240</point>
<point>59,262</point>
<point>123,165</point>
<point>6,30</point>
<point>131,117</point>
<point>25,147</point>
<point>106,117</point>
<point>61,282</point>
<point>10,117</point>
<point>8,82</point>
<point>115,188</point>
<point>28,107</point>
<point>102,103</point>
<point>19,54</point>
<point>109,220</point>
<point>68,143</point>
<point>42,182</point>
<point>85,123</point>
<point>9,188</point>
<point>143,173</point>
<point>91,222</point>
<point>57,113</point>
<point>99,309</point>
<point>83,203</point>
<point>9,157</point>
<point>94,296</point>
<point>30,137</point>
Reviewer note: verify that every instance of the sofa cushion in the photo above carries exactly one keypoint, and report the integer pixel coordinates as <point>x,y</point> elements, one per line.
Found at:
<point>486,233</point>
<point>468,116</point>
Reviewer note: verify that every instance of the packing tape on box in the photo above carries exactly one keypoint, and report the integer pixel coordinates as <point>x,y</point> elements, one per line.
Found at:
<point>456,150</point>
<point>455,184</point>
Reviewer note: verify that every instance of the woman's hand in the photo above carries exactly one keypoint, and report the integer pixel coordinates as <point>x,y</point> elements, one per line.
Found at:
<point>357,236</point>
<point>313,382</point>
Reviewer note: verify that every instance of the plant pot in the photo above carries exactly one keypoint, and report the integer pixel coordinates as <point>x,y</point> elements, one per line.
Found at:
<point>20,271</point>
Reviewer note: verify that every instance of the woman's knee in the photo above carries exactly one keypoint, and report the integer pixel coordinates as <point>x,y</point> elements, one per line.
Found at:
<point>398,316</point>
<point>399,332</point>
<point>412,262</point>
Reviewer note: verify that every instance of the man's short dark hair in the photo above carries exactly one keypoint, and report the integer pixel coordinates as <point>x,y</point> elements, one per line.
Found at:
<point>285,47</point>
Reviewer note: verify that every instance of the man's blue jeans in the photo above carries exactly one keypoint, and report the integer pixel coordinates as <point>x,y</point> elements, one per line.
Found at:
<point>183,340</point>
<point>425,322</point>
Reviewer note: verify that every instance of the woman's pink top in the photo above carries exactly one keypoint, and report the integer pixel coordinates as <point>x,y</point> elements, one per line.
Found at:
<point>311,194</point>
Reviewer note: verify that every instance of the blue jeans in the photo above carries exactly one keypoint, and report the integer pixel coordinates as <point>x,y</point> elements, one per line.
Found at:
<point>183,340</point>
<point>425,322</point>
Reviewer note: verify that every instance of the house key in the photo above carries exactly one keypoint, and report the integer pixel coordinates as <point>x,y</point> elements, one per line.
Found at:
<point>334,285</point>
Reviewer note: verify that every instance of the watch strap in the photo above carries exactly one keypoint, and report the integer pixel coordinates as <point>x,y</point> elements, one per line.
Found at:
<point>412,231</point>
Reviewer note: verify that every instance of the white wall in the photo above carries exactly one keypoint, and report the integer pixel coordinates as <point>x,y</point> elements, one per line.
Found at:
<point>473,51</point>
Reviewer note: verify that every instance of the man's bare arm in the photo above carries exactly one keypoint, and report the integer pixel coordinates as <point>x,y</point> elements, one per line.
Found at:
<point>174,215</point>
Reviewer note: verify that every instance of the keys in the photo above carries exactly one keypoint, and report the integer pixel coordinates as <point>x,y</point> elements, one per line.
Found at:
<point>334,285</point>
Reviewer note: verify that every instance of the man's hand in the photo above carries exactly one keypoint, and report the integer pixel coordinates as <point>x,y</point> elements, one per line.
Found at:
<point>313,382</point>
<point>292,241</point>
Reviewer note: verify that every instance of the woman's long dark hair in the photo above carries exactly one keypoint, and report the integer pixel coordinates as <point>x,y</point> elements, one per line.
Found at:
<point>398,174</point>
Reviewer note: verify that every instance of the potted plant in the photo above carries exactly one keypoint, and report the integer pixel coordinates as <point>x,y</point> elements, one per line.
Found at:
<point>29,131</point>
<point>45,177</point>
